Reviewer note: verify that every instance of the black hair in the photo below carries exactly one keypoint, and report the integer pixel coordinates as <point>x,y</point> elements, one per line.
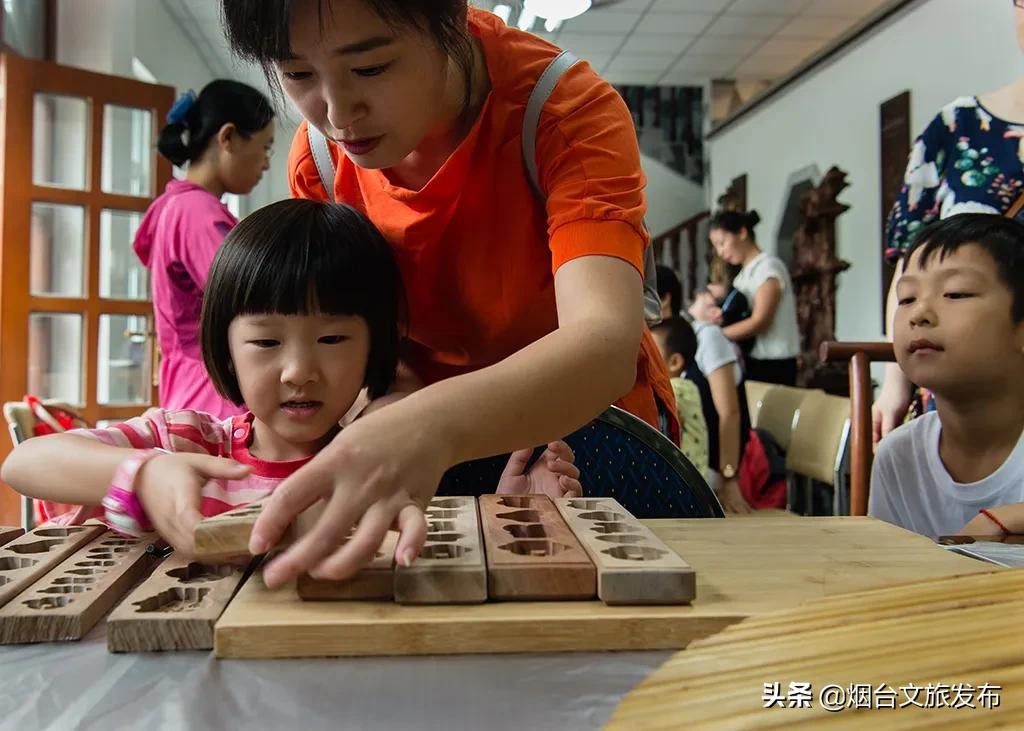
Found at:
<point>258,30</point>
<point>735,221</point>
<point>297,257</point>
<point>668,283</point>
<point>220,102</point>
<point>679,338</point>
<point>1002,238</point>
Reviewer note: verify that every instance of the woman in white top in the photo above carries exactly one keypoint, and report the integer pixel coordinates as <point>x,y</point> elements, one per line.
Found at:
<point>764,281</point>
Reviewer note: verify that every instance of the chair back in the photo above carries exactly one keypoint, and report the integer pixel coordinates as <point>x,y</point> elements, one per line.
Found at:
<point>755,398</point>
<point>21,422</point>
<point>778,410</point>
<point>820,437</point>
<point>619,456</point>
<point>859,356</point>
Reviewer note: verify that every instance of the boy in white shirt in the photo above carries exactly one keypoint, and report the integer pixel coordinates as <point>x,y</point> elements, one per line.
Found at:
<point>959,332</point>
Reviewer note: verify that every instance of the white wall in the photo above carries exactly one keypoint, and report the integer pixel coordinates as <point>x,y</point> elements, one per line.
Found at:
<point>105,35</point>
<point>939,50</point>
<point>671,197</point>
<point>167,51</point>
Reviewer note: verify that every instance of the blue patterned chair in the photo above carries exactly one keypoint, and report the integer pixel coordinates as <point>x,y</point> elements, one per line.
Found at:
<point>619,456</point>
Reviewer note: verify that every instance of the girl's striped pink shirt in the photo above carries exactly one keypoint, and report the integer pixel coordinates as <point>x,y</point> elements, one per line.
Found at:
<point>199,433</point>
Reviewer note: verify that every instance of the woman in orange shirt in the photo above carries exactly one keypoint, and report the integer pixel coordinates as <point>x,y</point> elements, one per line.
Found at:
<point>525,308</point>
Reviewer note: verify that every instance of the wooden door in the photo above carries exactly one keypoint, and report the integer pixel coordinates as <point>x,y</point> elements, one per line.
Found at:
<point>79,168</point>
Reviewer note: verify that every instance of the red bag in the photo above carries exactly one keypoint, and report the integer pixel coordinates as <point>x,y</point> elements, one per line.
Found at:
<point>762,487</point>
<point>51,419</point>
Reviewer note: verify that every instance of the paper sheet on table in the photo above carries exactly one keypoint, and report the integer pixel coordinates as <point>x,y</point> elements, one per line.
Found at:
<point>1010,555</point>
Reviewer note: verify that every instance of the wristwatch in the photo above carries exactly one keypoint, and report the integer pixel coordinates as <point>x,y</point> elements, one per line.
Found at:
<point>123,512</point>
<point>728,472</point>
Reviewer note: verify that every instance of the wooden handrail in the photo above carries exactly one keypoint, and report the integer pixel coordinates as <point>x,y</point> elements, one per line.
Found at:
<point>673,236</point>
<point>679,228</point>
<point>860,356</point>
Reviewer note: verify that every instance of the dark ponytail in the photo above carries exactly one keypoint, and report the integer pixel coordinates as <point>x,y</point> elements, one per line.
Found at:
<point>194,121</point>
<point>735,221</point>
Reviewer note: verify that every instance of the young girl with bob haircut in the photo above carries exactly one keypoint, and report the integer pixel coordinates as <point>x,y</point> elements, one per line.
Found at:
<point>302,312</point>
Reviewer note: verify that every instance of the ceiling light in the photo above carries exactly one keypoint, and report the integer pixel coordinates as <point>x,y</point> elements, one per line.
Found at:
<point>551,25</point>
<point>526,19</point>
<point>556,9</point>
<point>503,11</point>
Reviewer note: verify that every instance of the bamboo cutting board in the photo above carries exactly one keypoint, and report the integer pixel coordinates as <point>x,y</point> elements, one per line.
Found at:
<point>961,630</point>
<point>744,568</point>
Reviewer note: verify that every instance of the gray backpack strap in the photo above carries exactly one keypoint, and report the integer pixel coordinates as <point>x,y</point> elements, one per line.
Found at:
<point>535,105</point>
<point>318,145</point>
<point>531,122</point>
<point>652,302</point>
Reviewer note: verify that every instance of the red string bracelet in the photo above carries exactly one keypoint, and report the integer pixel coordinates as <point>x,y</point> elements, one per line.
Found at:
<point>988,514</point>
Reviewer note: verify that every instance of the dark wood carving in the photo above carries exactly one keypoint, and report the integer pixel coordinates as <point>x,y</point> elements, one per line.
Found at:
<point>894,124</point>
<point>733,199</point>
<point>735,196</point>
<point>815,270</point>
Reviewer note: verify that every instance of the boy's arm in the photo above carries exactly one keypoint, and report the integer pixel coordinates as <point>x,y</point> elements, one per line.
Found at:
<point>64,468</point>
<point>1011,516</point>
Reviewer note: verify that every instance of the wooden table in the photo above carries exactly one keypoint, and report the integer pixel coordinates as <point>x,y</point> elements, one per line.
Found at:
<point>744,568</point>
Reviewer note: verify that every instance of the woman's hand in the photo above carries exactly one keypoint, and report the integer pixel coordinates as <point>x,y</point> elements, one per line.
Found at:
<point>554,474</point>
<point>732,498</point>
<point>170,488</point>
<point>705,309</point>
<point>889,411</point>
<point>381,471</point>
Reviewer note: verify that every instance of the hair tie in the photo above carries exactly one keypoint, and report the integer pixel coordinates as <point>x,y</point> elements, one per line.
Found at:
<point>181,107</point>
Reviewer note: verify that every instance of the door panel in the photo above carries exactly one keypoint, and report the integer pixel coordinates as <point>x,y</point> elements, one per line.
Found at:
<point>79,168</point>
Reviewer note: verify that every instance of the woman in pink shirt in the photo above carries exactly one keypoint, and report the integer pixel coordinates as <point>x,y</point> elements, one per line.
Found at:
<point>223,139</point>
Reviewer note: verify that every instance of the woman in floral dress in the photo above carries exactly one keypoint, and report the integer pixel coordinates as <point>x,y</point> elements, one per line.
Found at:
<point>969,159</point>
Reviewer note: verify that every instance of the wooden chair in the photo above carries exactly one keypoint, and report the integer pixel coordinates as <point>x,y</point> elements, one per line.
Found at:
<point>860,356</point>
<point>21,422</point>
<point>818,449</point>
<point>778,411</point>
<point>755,398</point>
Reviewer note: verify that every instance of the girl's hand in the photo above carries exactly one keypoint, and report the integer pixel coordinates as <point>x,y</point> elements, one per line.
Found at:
<point>554,474</point>
<point>170,489</point>
<point>379,472</point>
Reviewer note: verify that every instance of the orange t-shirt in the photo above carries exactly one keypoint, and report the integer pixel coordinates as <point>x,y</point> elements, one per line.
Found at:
<point>476,246</point>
